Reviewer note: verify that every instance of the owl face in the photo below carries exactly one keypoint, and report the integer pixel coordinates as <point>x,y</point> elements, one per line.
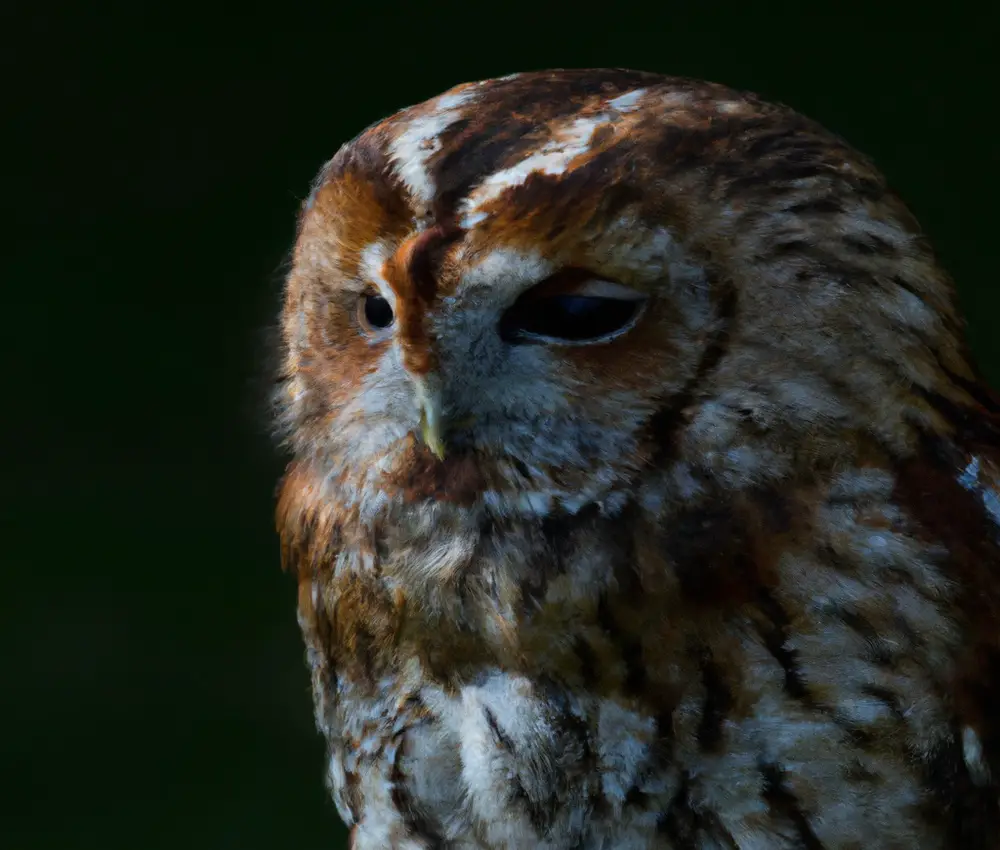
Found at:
<point>507,297</point>
<point>642,487</point>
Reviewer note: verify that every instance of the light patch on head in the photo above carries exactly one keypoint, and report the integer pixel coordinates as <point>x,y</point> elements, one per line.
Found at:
<point>555,157</point>
<point>627,102</point>
<point>452,101</point>
<point>506,269</point>
<point>675,99</point>
<point>473,218</point>
<point>370,266</point>
<point>648,253</point>
<point>420,138</point>
<point>728,107</point>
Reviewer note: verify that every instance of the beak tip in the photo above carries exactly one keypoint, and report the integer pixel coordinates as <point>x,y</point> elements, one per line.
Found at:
<point>430,424</point>
<point>433,441</point>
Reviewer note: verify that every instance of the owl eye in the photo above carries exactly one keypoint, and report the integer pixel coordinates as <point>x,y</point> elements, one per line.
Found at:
<point>591,313</point>
<point>375,312</point>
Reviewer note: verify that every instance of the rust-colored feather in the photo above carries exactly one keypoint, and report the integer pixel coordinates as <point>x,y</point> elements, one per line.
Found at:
<point>711,557</point>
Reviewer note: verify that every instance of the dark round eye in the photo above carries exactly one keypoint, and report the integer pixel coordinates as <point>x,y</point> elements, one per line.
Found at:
<point>571,318</point>
<point>376,312</point>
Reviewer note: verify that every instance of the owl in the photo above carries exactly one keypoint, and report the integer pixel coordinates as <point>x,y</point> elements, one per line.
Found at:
<point>641,493</point>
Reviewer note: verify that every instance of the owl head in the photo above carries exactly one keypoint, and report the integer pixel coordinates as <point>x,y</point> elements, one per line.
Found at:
<point>577,289</point>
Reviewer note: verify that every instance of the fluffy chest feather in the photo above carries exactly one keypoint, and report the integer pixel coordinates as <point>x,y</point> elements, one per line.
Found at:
<point>642,492</point>
<point>773,672</point>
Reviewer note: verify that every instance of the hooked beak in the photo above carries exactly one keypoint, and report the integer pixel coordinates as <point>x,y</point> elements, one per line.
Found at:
<point>429,406</point>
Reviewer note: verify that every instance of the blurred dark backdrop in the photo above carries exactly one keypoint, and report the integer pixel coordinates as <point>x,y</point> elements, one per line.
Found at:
<point>152,673</point>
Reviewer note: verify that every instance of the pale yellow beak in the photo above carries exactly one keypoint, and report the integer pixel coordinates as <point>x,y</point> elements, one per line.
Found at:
<point>429,405</point>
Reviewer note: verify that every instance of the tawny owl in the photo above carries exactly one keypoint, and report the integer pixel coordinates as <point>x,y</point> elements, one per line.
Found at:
<point>643,494</point>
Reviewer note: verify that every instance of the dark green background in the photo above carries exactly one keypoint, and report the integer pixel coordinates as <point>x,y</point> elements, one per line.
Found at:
<point>152,675</point>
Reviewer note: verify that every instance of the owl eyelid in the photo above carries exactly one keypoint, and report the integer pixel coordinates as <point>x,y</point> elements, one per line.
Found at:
<point>600,288</point>
<point>575,280</point>
<point>560,312</point>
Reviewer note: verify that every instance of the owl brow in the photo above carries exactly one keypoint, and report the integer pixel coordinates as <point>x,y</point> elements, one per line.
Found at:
<point>562,282</point>
<point>423,260</point>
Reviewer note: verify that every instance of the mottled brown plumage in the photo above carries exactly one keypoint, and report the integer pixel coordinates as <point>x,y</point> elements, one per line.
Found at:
<point>643,494</point>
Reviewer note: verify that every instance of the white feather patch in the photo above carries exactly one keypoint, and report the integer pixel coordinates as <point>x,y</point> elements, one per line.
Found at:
<point>627,102</point>
<point>420,139</point>
<point>553,158</point>
<point>370,265</point>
